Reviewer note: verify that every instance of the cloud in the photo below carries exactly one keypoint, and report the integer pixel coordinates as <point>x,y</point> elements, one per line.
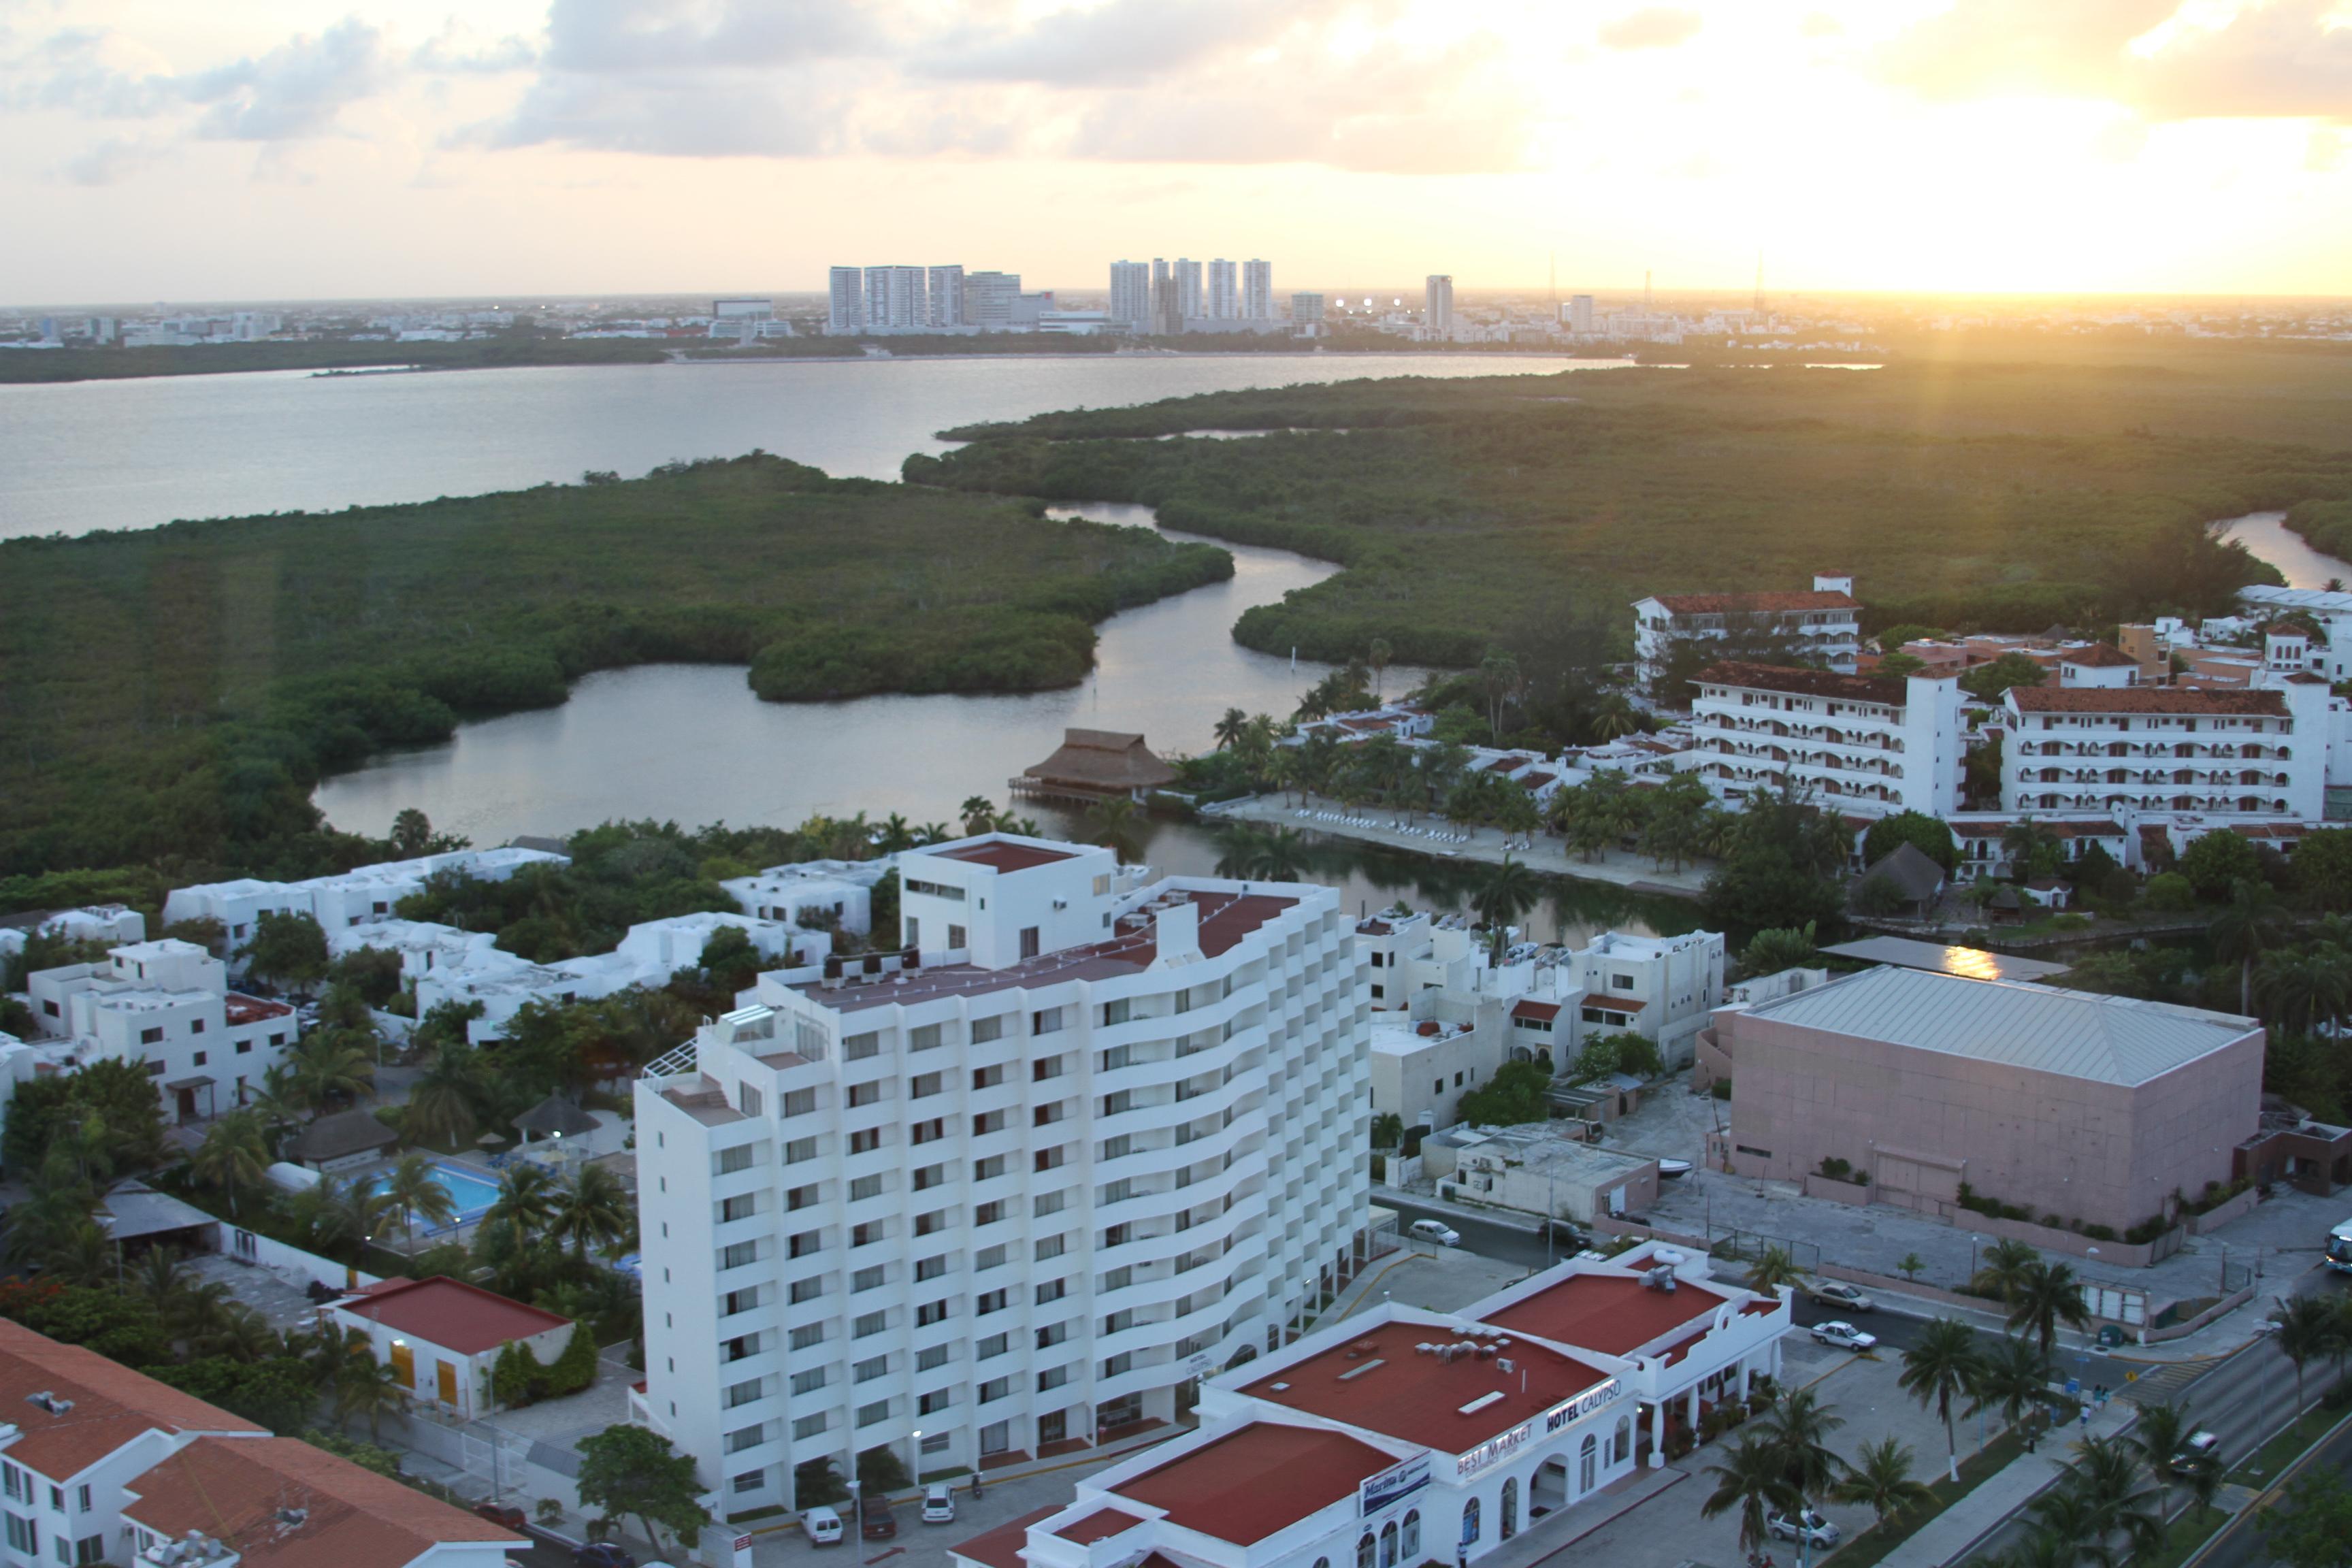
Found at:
<point>295,90</point>
<point>1653,28</point>
<point>451,54</point>
<point>1820,24</point>
<point>2263,59</point>
<point>1233,81</point>
<point>112,161</point>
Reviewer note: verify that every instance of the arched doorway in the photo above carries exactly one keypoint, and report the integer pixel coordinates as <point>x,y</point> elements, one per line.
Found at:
<point>1510,1514</point>
<point>1588,1465</point>
<point>1388,1544</point>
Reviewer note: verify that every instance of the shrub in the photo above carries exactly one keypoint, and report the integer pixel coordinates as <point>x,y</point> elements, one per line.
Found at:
<point>576,1369</point>
<point>2169,892</point>
<point>2218,859</point>
<point>1835,1169</point>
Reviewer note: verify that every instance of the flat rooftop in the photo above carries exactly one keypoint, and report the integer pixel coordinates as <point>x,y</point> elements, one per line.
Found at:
<point>1381,1382</point>
<point>2117,1040</point>
<point>1225,920</point>
<point>1612,1313</point>
<point>1969,963</point>
<point>1002,856</point>
<point>1257,1479</point>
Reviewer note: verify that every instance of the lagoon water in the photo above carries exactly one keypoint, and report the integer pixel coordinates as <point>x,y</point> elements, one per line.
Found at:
<point>131,454</point>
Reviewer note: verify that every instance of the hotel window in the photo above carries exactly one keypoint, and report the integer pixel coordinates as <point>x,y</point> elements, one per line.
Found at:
<point>868,1369</point>
<point>875,1413</point>
<point>986,1029</point>
<point>797,1102</point>
<point>1045,1021</point>
<point>872,1323</point>
<point>926,1037</point>
<point>740,1157</point>
<point>808,1336</point>
<point>863,1094</point>
<point>988,1077</point>
<point>930,1131</point>
<point>802,1291</point>
<point>866,1280</point>
<point>809,1426</point>
<point>990,1302</point>
<point>864,1141</point>
<point>864,1188</point>
<point>923,1086</point>
<point>858,1048</point>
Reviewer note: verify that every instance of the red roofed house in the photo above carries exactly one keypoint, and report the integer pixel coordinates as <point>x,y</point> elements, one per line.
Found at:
<point>101,1464</point>
<point>442,1336</point>
<point>1823,624</point>
<point>1384,1440</point>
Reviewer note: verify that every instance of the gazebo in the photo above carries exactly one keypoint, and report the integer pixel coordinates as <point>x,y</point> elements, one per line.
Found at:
<point>1096,765</point>
<point>347,1137</point>
<point>555,1118</point>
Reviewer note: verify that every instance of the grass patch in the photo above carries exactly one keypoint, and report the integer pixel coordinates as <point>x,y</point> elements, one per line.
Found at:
<point>2267,1463</point>
<point>2183,1537</point>
<point>1873,1543</point>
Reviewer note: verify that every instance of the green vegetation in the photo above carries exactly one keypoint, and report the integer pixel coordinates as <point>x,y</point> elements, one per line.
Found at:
<point>1478,513</point>
<point>171,696</point>
<point>1516,1094</point>
<point>631,1471</point>
<point>506,350</point>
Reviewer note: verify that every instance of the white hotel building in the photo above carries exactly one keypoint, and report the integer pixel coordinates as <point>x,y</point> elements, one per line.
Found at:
<point>1401,1436</point>
<point>1824,624</point>
<point>1017,1195</point>
<point>1869,745</point>
<point>2257,751</point>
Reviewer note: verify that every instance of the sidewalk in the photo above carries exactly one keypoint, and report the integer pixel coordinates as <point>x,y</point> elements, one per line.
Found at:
<point>1953,1532</point>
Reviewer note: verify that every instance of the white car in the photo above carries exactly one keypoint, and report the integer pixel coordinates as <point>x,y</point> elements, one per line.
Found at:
<point>1810,1526</point>
<point>938,1503</point>
<point>1436,1230</point>
<point>1844,1335</point>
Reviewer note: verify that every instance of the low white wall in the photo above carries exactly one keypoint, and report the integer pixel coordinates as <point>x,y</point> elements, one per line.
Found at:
<point>241,1246</point>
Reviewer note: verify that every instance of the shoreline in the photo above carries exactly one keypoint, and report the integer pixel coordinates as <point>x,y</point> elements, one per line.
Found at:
<point>1615,867</point>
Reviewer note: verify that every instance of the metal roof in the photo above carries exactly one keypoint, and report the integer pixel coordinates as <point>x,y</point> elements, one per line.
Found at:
<point>2075,1034</point>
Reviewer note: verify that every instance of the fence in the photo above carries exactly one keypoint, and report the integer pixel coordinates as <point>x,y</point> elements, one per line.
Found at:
<point>243,1246</point>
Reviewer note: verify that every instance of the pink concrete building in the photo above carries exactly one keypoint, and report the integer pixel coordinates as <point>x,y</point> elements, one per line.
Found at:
<point>2091,1108</point>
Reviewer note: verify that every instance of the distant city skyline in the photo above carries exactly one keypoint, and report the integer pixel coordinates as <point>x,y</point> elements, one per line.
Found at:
<point>311,149</point>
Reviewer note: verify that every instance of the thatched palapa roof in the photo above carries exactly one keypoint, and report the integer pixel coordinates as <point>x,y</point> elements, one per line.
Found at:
<point>1102,761</point>
<point>555,1117</point>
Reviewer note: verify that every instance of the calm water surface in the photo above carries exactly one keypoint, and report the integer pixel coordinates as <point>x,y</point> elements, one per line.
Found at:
<point>2266,536</point>
<point>132,454</point>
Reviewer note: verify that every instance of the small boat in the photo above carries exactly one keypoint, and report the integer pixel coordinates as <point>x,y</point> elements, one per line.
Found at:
<point>1669,1169</point>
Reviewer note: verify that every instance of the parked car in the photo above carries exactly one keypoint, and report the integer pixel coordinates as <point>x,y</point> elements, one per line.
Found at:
<point>822,1526</point>
<point>1436,1230</point>
<point>501,1515</point>
<point>938,1503</point>
<point>880,1525</point>
<point>1845,1298</point>
<point>603,1554</point>
<point>1844,1335</point>
<point>2202,1452</point>
<point>1565,1234</point>
<point>1807,1526</point>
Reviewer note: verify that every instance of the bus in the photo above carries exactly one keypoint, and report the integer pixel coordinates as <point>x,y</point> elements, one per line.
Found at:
<point>2339,1248</point>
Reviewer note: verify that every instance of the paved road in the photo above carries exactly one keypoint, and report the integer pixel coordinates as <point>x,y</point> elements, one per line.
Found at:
<point>1515,1244</point>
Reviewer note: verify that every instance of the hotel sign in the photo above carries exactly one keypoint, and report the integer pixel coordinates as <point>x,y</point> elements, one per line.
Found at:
<point>1392,1485</point>
<point>1503,1444</point>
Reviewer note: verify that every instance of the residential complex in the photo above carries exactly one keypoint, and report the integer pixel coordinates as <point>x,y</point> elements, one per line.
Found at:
<point>354,898</point>
<point>1399,1437</point>
<point>2151,749</point>
<point>1822,626</point>
<point>101,1464</point>
<point>1082,1142</point>
<point>2096,1109</point>
<point>1878,744</point>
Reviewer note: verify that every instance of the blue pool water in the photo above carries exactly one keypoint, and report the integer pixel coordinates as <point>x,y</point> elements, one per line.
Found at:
<point>473,1194</point>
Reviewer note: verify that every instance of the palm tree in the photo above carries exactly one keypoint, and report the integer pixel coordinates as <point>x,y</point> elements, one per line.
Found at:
<point>1282,771</point>
<point>1117,827</point>
<point>1230,729</point>
<point>1752,1478</point>
<point>1614,719</point>
<point>1942,1365</point>
<point>2251,923</point>
<point>2047,1296</point>
<point>2026,842</point>
<point>1498,678</point>
<point>2005,1263</point>
<point>362,1211</point>
<point>161,1280</point>
<point>415,1188</point>
<point>1798,1428</point>
<point>2156,1437</point>
<point>1509,891</point>
<point>81,1254</point>
<point>979,816</point>
<point>1883,1482</point>
<point>1378,655</point>
<point>2109,1471</point>
<point>1774,1268</point>
<point>441,1103</point>
<point>527,1197</point>
<point>241,1333</point>
<point>2309,1326</point>
<point>233,1156</point>
<point>894,835</point>
<point>594,1209</point>
<point>370,1387</point>
<point>2015,1379</point>
<point>328,1069</point>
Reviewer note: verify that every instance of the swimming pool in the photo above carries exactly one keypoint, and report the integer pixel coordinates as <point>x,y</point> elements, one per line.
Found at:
<point>472,1192</point>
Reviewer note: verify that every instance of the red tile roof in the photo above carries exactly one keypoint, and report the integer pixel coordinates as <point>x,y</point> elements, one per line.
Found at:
<point>1099,1525</point>
<point>1395,1390</point>
<point>1606,1312</point>
<point>1257,1479</point>
<point>449,1313</point>
<point>2100,656</point>
<point>1000,1547</point>
<point>238,1008</point>
<point>111,1404</point>
<point>1890,691</point>
<point>1543,1010</point>
<point>245,1493</point>
<point>2266,704</point>
<point>1002,856</point>
<point>1719,604</point>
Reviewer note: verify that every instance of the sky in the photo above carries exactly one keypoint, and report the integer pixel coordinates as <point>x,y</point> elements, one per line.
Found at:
<point>161,150</point>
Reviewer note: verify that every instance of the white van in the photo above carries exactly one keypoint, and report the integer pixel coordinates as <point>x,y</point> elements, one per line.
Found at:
<point>823,1526</point>
<point>1436,1230</point>
<point>938,1503</point>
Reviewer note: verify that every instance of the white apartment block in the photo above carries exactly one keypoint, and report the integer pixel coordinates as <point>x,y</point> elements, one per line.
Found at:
<point>944,306</point>
<point>166,1003</point>
<point>1224,291</point>
<point>2332,610</point>
<point>2250,752</point>
<point>841,891</point>
<point>1257,290</point>
<point>1825,625</point>
<point>354,898</point>
<point>1130,297</point>
<point>896,299</point>
<point>844,311</point>
<point>1437,303</point>
<point>1189,300</point>
<point>1869,745</point>
<point>1019,1187</point>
